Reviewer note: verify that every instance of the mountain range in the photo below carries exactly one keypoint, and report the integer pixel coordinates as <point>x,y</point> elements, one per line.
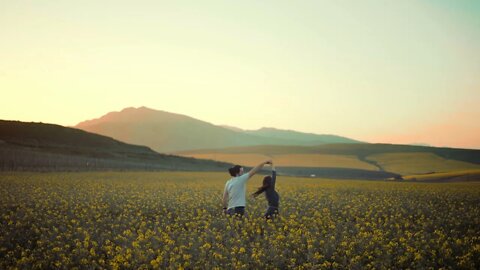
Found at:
<point>169,132</point>
<point>296,153</point>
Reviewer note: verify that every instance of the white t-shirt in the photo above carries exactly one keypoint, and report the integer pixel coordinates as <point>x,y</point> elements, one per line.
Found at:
<point>236,188</point>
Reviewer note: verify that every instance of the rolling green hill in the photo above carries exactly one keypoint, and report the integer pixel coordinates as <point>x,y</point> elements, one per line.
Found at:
<point>38,146</point>
<point>359,150</point>
<point>396,159</point>
<point>464,176</point>
<point>419,162</point>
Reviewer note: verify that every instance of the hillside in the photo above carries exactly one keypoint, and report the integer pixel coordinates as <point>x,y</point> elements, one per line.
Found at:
<point>359,150</point>
<point>168,132</point>
<point>456,176</point>
<point>38,146</point>
<point>300,137</point>
<point>395,159</point>
<point>419,162</point>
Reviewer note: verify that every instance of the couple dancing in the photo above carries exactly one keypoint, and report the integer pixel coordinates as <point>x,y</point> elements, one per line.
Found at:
<point>234,194</point>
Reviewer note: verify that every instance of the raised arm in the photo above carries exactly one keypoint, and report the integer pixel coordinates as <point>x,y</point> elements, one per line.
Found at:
<point>257,168</point>
<point>274,175</point>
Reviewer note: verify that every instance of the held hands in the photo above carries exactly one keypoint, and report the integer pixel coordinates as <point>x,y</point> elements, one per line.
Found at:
<point>270,162</point>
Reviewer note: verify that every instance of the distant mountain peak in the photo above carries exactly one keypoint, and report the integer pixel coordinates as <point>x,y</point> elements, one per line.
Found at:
<point>300,137</point>
<point>232,128</point>
<point>170,132</point>
<point>138,109</point>
<point>133,114</point>
<point>142,109</point>
<point>268,128</point>
<point>273,129</point>
<point>282,130</point>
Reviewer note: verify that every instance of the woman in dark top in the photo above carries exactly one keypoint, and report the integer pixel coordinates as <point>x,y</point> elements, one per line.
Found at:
<point>272,196</point>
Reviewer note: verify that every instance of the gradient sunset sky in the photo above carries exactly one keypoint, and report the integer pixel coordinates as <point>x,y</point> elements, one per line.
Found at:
<point>378,71</point>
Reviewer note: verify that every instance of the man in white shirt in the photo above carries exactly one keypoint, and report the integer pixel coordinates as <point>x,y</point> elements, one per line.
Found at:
<point>234,194</point>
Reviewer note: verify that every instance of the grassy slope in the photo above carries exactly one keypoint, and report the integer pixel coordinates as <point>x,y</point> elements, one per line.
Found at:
<point>402,159</point>
<point>466,175</point>
<point>467,155</point>
<point>418,163</point>
<point>21,140</point>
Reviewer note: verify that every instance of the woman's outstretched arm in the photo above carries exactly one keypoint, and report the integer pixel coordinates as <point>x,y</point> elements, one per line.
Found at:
<point>274,175</point>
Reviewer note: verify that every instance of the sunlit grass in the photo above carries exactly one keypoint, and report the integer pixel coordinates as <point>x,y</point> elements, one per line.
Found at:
<point>418,163</point>
<point>436,176</point>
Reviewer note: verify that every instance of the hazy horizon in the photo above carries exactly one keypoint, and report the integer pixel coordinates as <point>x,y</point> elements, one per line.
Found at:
<point>384,72</point>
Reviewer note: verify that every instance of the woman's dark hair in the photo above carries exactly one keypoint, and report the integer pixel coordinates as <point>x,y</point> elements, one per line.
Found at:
<point>235,170</point>
<point>267,181</point>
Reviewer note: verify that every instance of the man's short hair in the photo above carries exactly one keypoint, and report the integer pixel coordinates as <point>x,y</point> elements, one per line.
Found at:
<point>235,170</point>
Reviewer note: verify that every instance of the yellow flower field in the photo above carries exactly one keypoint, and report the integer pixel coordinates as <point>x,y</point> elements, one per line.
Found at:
<point>174,220</point>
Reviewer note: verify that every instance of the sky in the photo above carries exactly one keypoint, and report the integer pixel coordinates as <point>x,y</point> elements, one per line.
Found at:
<point>378,71</point>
